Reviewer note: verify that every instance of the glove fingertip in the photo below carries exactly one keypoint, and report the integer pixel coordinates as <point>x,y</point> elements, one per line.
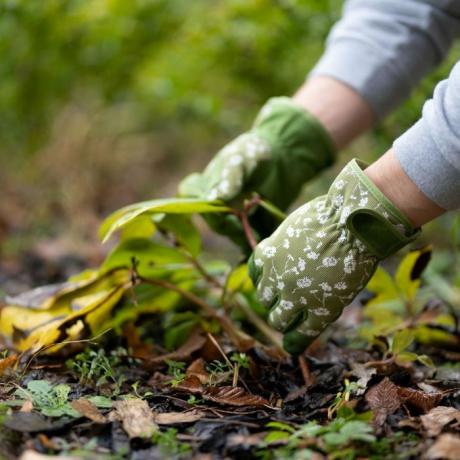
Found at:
<point>254,271</point>
<point>295,343</point>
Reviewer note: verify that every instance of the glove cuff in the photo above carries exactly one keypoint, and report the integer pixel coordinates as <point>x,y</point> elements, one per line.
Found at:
<point>371,216</point>
<point>300,146</point>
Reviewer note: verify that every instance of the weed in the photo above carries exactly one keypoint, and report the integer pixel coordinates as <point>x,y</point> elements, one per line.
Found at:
<point>99,368</point>
<point>169,445</point>
<point>176,371</point>
<point>50,401</point>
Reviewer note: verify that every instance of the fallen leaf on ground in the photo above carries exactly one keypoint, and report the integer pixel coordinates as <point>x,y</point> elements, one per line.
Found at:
<point>172,418</point>
<point>447,447</point>
<point>27,406</point>
<point>190,384</point>
<point>419,399</point>
<point>7,362</point>
<point>136,417</point>
<point>233,396</point>
<point>31,422</point>
<point>198,369</point>
<point>438,418</point>
<point>194,343</point>
<point>32,455</point>
<point>88,410</point>
<point>138,348</point>
<point>364,375</point>
<point>384,400</point>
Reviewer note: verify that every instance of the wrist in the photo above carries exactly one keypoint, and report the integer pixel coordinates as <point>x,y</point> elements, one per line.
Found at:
<point>342,112</point>
<point>388,176</point>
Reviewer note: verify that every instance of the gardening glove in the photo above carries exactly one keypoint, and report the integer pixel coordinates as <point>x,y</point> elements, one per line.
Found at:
<point>284,149</point>
<point>324,254</point>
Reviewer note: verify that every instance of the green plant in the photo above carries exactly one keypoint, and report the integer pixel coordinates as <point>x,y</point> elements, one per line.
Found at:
<point>341,433</point>
<point>51,401</point>
<point>169,445</point>
<point>176,371</point>
<point>97,367</point>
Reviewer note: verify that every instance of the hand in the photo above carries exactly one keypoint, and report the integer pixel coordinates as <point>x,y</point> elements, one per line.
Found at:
<point>285,148</point>
<point>324,254</point>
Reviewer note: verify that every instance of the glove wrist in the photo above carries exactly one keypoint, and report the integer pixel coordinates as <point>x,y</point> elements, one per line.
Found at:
<point>300,148</point>
<point>374,220</point>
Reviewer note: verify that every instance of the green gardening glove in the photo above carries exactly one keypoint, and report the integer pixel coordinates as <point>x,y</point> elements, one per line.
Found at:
<point>324,254</point>
<point>284,149</point>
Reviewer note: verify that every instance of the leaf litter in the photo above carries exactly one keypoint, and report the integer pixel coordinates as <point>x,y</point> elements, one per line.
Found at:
<point>115,362</point>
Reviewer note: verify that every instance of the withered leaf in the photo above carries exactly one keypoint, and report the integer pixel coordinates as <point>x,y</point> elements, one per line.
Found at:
<point>384,400</point>
<point>7,363</point>
<point>194,343</point>
<point>419,399</point>
<point>33,455</point>
<point>136,417</point>
<point>172,418</point>
<point>198,369</point>
<point>438,418</point>
<point>31,422</point>
<point>233,396</point>
<point>190,384</point>
<point>88,410</point>
<point>446,447</point>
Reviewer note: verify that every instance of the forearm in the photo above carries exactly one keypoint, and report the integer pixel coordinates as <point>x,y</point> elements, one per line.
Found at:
<point>388,175</point>
<point>343,113</point>
<point>383,48</point>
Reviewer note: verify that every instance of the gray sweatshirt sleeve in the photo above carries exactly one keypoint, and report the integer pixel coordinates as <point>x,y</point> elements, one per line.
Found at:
<point>429,152</point>
<point>382,48</point>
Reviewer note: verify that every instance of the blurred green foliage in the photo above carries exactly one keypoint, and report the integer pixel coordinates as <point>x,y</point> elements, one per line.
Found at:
<point>106,102</point>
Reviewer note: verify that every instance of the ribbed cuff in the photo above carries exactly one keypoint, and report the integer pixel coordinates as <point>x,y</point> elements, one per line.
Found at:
<point>424,163</point>
<point>365,70</point>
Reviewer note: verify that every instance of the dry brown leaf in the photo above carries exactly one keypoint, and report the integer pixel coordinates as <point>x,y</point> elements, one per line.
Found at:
<point>172,418</point>
<point>233,396</point>
<point>27,406</point>
<point>7,362</point>
<point>446,447</point>
<point>438,418</point>
<point>88,410</point>
<point>384,400</point>
<point>419,399</point>
<point>194,343</point>
<point>136,417</point>
<point>138,348</point>
<point>198,369</point>
<point>190,384</point>
<point>32,455</point>
<point>364,375</point>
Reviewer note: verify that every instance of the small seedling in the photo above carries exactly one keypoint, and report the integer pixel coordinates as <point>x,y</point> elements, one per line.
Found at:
<point>176,371</point>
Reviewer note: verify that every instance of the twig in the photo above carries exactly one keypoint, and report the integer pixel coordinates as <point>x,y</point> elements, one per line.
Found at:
<point>203,272</point>
<point>270,334</point>
<point>234,334</point>
<point>217,345</point>
<point>306,374</point>
<point>243,216</point>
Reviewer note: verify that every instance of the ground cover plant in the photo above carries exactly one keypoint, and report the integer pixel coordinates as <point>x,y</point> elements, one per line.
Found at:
<point>164,352</point>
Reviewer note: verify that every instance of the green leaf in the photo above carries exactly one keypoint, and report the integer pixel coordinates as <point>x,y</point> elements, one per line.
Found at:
<point>142,227</point>
<point>276,436</point>
<point>153,259</point>
<point>102,402</point>
<point>407,277</point>
<point>425,360</point>
<point>281,426</point>
<point>406,357</point>
<point>402,340</point>
<point>186,234</point>
<point>126,215</point>
<point>239,281</point>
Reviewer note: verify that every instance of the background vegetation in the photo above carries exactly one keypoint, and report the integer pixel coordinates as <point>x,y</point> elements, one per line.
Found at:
<point>106,102</point>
